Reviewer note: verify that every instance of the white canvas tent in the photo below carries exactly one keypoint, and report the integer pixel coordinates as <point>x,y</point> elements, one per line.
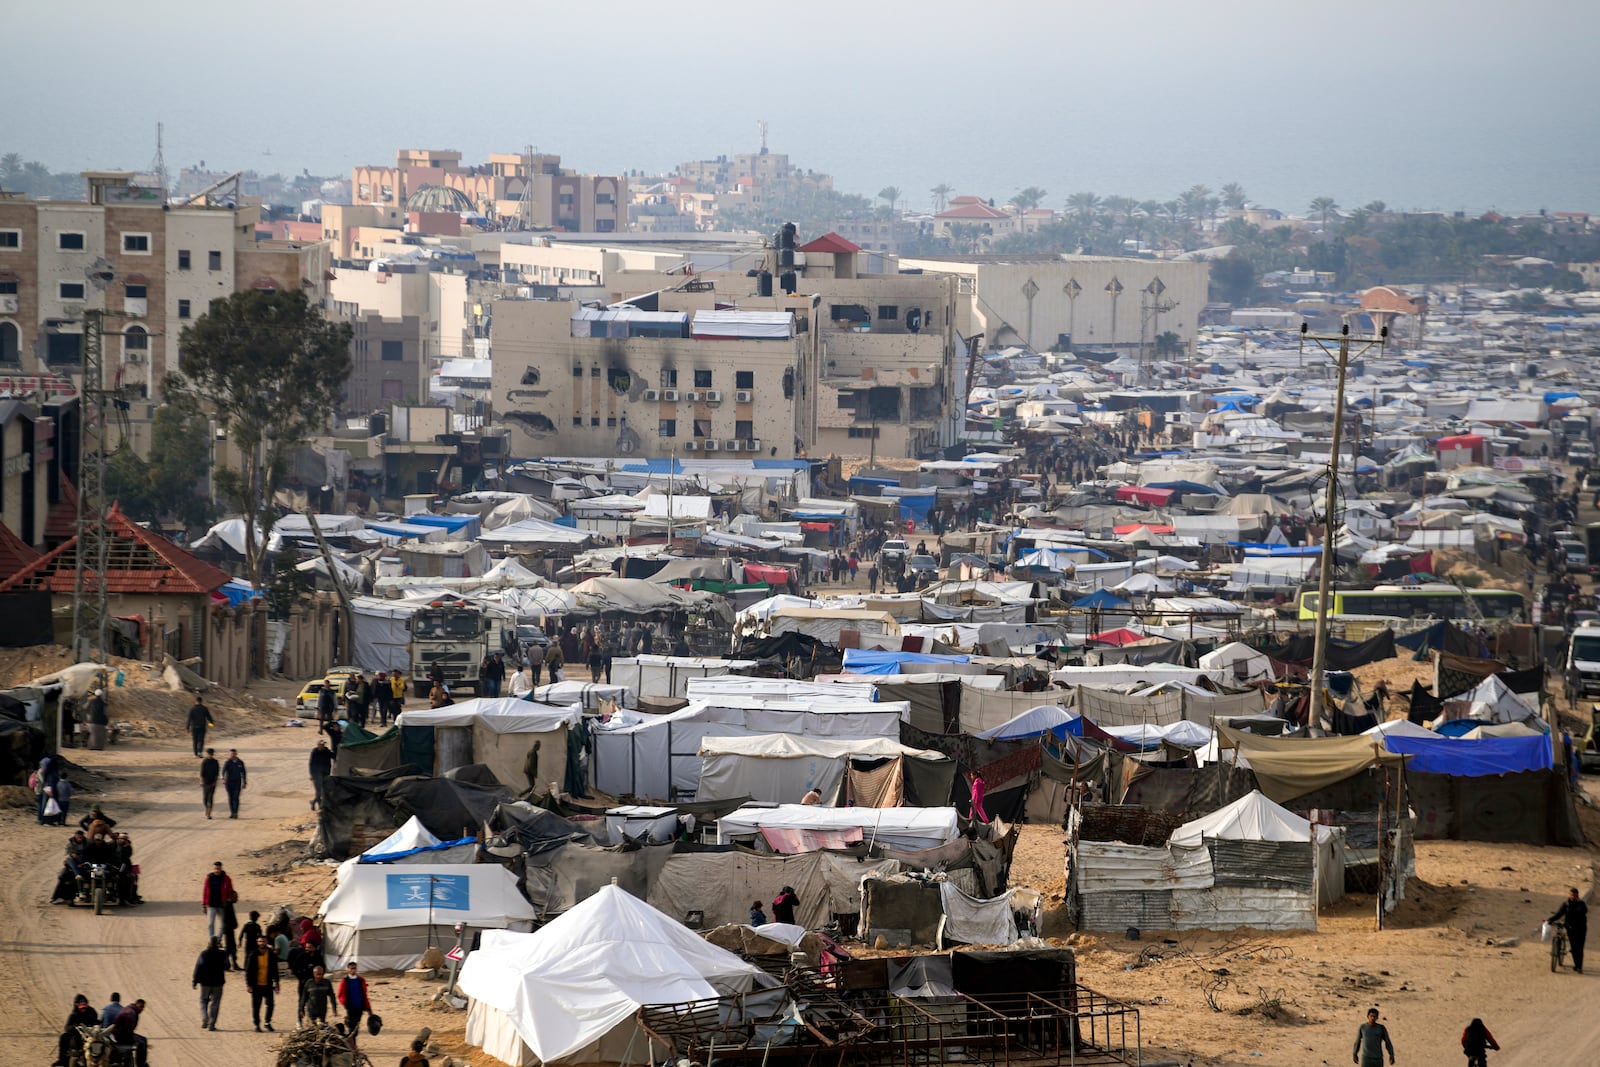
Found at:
<point>779,767</point>
<point>569,992</point>
<point>911,829</point>
<point>1240,661</point>
<point>498,732</point>
<point>385,916</point>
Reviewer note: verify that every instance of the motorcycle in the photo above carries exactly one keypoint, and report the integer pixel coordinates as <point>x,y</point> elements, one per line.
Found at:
<point>99,886</point>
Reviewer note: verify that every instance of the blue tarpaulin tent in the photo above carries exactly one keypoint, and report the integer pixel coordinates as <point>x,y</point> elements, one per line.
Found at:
<point>1101,600</point>
<point>1472,759</point>
<point>875,661</point>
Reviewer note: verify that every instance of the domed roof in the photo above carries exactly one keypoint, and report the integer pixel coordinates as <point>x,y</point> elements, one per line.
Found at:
<point>439,198</point>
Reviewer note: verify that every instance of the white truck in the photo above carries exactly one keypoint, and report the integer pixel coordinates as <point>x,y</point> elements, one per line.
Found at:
<point>1583,660</point>
<point>452,637</point>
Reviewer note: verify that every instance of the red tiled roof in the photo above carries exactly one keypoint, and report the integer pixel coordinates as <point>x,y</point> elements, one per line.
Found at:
<point>972,211</point>
<point>830,242</point>
<point>15,553</point>
<point>141,562</point>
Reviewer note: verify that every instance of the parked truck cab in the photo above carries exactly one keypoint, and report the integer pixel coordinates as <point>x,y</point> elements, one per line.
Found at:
<point>1583,659</point>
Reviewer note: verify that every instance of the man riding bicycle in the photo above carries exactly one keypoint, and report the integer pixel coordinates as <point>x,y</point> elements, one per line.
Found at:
<point>1476,1041</point>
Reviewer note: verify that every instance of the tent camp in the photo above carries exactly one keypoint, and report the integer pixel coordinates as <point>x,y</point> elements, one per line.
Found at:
<point>387,915</point>
<point>904,828</point>
<point>778,767</point>
<point>494,731</point>
<point>669,676</point>
<point>569,992</point>
<point>1241,662</point>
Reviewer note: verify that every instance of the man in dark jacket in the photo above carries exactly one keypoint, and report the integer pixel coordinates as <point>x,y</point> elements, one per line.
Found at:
<point>316,993</point>
<point>233,780</point>
<point>327,704</point>
<point>1576,914</point>
<point>83,1014</point>
<point>210,973</point>
<point>199,719</point>
<point>261,978</point>
<point>210,771</point>
<point>321,765</point>
<point>123,1029</point>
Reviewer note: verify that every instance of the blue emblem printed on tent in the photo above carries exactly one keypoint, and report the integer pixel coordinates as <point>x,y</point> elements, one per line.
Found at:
<point>443,892</point>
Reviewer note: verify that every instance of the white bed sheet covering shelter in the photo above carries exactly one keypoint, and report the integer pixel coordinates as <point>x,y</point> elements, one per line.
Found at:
<point>903,828</point>
<point>502,730</point>
<point>559,993</point>
<point>777,767</point>
<point>385,916</point>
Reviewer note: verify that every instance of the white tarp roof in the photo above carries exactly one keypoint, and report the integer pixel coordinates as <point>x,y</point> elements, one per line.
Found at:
<point>1256,664</point>
<point>502,715</point>
<point>1030,723</point>
<point>1250,818</point>
<point>411,835</point>
<point>1493,700</point>
<point>535,531</point>
<point>567,985</point>
<point>789,746</point>
<point>907,828</point>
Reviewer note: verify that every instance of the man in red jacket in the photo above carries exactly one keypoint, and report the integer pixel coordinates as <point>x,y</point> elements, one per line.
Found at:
<point>353,995</point>
<point>215,892</point>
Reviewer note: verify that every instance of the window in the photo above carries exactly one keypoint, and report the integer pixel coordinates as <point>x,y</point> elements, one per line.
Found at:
<point>8,288</point>
<point>669,378</point>
<point>70,241</point>
<point>183,309</point>
<point>744,379</point>
<point>667,428</point>
<point>63,348</point>
<point>135,292</point>
<point>888,312</point>
<point>594,372</point>
<point>577,420</point>
<point>577,372</point>
<point>605,225</point>
<point>70,290</point>
<point>393,351</point>
<point>611,421</point>
<point>594,420</point>
<point>702,379</point>
<point>702,428</point>
<point>10,239</point>
<point>863,431</point>
<point>744,429</point>
<point>137,244</point>
<point>134,339</point>
<point>183,259</point>
<point>848,313</point>
<point>213,260</point>
<point>10,343</point>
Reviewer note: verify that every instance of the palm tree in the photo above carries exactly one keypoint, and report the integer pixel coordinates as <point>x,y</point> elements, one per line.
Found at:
<point>35,178</point>
<point>10,167</point>
<point>968,236</point>
<point>1376,207</point>
<point>1083,203</point>
<point>1027,199</point>
<point>889,194</point>
<point>1233,195</point>
<point>941,195</point>
<point>1324,206</point>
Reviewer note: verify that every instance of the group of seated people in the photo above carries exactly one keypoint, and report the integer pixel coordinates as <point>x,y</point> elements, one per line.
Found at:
<point>96,842</point>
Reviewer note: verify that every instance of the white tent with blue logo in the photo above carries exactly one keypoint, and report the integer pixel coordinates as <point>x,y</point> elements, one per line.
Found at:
<point>385,916</point>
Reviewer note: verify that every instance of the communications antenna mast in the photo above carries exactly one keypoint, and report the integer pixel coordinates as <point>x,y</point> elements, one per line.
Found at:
<point>158,165</point>
<point>90,598</point>
<point>761,128</point>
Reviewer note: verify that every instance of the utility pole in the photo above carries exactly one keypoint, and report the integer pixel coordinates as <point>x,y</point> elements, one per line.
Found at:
<point>1319,654</point>
<point>90,598</point>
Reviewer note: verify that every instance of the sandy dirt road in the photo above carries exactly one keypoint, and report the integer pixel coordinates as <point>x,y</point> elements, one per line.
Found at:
<point>52,952</point>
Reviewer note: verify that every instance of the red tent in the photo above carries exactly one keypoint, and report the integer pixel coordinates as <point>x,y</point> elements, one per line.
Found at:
<point>1141,494</point>
<point>1119,637</point>
<point>1129,527</point>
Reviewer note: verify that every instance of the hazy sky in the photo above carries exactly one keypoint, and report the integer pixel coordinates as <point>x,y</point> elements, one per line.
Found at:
<point>1454,104</point>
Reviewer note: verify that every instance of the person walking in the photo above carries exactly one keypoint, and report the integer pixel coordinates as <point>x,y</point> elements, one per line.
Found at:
<point>554,659</point>
<point>783,905</point>
<point>872,578</point>
<point>321,767</point>
<point>1576,915</point>
<point>380,697</point>
<point>522,684</point>
<point>1371,1040</point>
<point>98,718</point>
<point>199,721</point>
<point>251,931</point>
<point>316,993</point>
<point>758,917</point>
<point>210,771</point>
<point>261,979</point>
<point>44,784</point>
<point>327,705</point>
<point>62,798</point>
<point>234,780</point>
<point>976,786</point>
<point>210,974</point>
<point>216,890</point>
<point>353,995</point>
<point>397,693</point>
<point>535,656</point>
<point>1476,1041</point>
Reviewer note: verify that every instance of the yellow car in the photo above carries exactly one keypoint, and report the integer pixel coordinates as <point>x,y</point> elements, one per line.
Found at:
<point>308,693</point>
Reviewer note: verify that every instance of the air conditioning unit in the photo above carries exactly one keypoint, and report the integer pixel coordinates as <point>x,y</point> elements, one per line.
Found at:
<point>652,394</point>
<point>691,396</point>
<point>133,357</point>
<point>731,445</point>
<point>752,446</point>
<point>744,396</point>
<point>669,395</point>
<point>711,445</point>
<point>713,397</point>
<point>691,446</point>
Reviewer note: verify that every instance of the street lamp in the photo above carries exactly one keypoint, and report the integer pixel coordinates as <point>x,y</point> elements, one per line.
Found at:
<point>1072,289</point>
<point>1114,287</point>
